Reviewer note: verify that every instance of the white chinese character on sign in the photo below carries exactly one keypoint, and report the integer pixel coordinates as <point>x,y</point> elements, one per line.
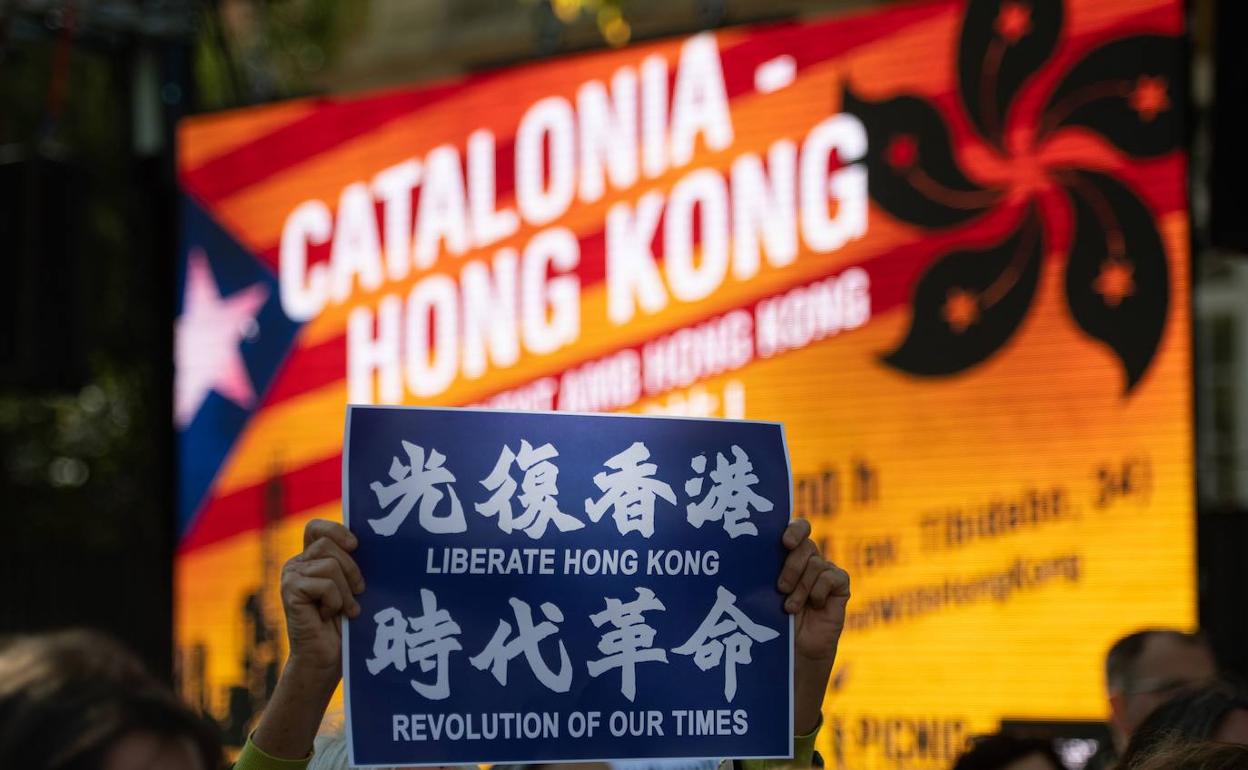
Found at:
<point>499,652</point>
<point>725,635</point>
<point>629,491</point>
<point>427,640</point>
<point>390,643</point>
<point>730,496</point>
<point>630,642</point>
<point>537,495</point>
<point>417,482</point>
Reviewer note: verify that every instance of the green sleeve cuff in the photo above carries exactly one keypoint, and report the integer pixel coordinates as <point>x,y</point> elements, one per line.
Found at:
<point>804,747</point>
<point>252,758</point>
<point>803,754</point>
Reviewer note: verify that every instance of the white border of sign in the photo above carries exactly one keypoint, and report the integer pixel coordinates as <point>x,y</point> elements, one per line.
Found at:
<point>346,521</point>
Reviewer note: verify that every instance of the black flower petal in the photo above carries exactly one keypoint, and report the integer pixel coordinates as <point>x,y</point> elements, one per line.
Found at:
<point>911,171</point>
<point>969,303</point>
<point>1130,91</point>
<point>1003,43</point>
<point>1117,278</point>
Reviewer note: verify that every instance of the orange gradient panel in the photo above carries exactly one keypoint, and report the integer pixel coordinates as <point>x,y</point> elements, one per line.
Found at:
<point>1003,521</point>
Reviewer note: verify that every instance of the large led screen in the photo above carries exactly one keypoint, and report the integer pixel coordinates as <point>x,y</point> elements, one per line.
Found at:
<point>945,243</point>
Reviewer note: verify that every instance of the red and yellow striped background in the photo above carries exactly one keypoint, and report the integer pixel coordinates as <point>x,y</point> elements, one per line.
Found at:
<point>1005,426</point>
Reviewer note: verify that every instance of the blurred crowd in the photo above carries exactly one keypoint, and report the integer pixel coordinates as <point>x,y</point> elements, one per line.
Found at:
<point>76,700</point>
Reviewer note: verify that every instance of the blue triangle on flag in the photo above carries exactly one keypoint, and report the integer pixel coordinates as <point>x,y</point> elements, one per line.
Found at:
<point>205,441</point>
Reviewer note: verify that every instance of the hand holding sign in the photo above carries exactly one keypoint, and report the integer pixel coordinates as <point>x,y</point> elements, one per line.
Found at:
<point>313,628</point>
<point>818,591</point>
<point>319,585</point>
<point>666,613</point>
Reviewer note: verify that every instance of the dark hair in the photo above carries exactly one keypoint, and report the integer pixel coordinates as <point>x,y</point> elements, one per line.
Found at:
<point>67,698</point>
<point>996,751</point>
<point>1122,656</point>
<point>1203,755</point>
<point>1187,718</point>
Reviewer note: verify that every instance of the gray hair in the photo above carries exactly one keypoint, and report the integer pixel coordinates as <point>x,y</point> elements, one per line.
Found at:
<point>330,752</point>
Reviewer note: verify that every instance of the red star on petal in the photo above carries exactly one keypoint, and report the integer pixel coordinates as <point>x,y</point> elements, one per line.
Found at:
<point>961,309</point>
<point>1115,282</point>
<point>1013,21</point>
<point>902,152</point>
<point>1149,97</point>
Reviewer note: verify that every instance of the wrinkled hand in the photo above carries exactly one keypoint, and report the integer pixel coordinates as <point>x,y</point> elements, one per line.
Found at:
<point>318,587</point>
<point>817,592</point>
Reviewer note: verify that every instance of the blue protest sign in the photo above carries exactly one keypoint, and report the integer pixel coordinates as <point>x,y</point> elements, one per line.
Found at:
<point>555,587</point>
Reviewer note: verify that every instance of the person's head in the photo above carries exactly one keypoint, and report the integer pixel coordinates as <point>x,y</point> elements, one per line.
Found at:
<point>77,700</point>
<point>1147,668</point>
<point>1007,752</point>
<point>1204,755</point>
<point>1212,713</point>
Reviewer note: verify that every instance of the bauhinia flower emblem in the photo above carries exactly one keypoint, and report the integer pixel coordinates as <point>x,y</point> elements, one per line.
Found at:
<point>1122,94</point>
